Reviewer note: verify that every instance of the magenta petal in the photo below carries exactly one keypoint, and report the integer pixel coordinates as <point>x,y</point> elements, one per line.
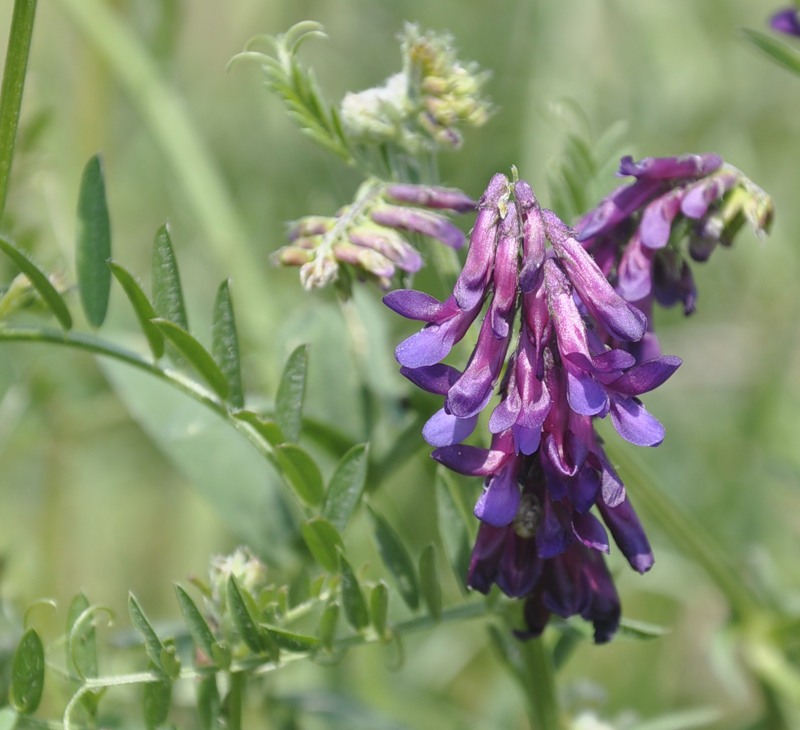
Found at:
<point>436,379</point>
<point>634,423</point>
<point>786,21</point>
<point>470,460</point>
<point>670,168</point>
<point>415,304</point>
<point>499,501</point>
<point>647,375</point>
<point>584,394</point>
<point>628,534</point>
<point>444,429</point>
<point>526,439</point>
<point>611,360</point>
<point>657,219</point>
<point>426,347</point>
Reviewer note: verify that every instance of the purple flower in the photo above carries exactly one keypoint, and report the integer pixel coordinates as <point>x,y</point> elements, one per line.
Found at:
<point>635,234</point>
<point>548,487</point>
<point>786,21</point>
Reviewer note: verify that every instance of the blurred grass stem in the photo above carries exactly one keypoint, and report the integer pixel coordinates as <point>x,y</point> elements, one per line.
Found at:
<point>19,44</point>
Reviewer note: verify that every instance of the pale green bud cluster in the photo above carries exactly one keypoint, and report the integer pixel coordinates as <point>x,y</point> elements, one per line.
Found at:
<point>424,106</point>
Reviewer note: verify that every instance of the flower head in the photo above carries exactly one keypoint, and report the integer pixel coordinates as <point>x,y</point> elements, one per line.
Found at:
<point>549,316</point>
<point>636,234</point>
<point>370,234</point>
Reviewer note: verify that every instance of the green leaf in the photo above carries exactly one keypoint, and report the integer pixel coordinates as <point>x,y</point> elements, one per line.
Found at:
<point>301,473</point>
<point>267,429</point>
<point>397,560</point>
<point>197,355</point>
<point>379,610</point>
<point>225,344</point>
<point>209,705</point>
<point>93,246</point>
<point>141,306</point>
<point>452,527</point>
<point>785,55</point>
<point>167,291</point>
<point>39,281</point>
<point>27,673</point>
<point>291,391</point>
<point>346,486</point>
<point>429,581</point>
<point>152,644</point>
<point>324,542</point>
<point>326,630</point>
<point>81,637</point>
<point>156,697</point>
<point>355,607</point>
<point>245,623</point>
<point>291,641</point>
<point>633,629</point>
<point>198,628</point>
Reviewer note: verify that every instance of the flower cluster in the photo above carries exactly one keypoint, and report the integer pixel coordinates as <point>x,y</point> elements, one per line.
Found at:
<point>425,105</point>
<point>786,21</point>
<point>636,234</point>
<point>545,470</point>
<point>369,233</point>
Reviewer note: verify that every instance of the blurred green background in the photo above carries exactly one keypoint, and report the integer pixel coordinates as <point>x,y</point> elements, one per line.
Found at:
<point>93,496</point>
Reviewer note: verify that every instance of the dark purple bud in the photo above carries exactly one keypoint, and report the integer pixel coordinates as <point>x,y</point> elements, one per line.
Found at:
<point>533,236</point>
<point>670,168</point>
<point>419,221</point>
<point>474,278</point>
<point>431,196</point>
<point>786,21</point>
<point>505,276</point>
<point>619,317</point>
<point>629,535</point>
<point>587,528</point>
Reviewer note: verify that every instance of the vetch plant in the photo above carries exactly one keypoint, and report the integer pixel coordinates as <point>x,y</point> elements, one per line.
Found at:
<point>532,329</point>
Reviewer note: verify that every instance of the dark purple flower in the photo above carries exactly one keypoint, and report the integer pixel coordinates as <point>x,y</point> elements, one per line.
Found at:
<point>548,487</point>
<point>786,21</point>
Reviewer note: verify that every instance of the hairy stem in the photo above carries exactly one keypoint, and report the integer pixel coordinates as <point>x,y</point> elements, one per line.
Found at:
<point>19,44</point>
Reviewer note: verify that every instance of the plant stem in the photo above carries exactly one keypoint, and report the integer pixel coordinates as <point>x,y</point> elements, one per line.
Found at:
<point>543,705</point>
<point>686,533</point>
<point>19,44</point>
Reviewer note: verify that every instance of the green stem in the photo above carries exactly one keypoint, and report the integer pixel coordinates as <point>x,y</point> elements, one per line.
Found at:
<point>543,705</point>
<point>96,346</point>
<point>19,44</point>
<point>686,532</point>
<point>235,701</point>
<point>182,147</point>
